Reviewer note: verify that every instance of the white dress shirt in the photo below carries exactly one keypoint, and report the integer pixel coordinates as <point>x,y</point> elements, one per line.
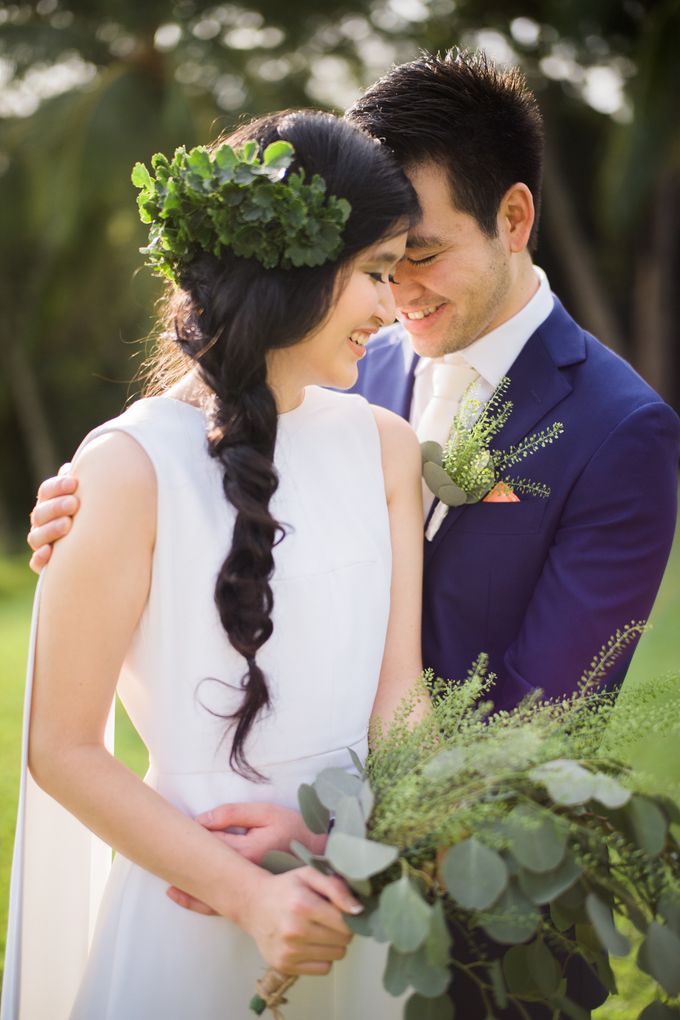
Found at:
<point>491,356</point>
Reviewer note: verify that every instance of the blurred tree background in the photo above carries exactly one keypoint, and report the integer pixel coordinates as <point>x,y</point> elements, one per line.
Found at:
<point>89,86</point>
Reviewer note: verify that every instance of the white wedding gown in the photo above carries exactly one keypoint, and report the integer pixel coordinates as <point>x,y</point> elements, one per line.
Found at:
<point>150,958</point>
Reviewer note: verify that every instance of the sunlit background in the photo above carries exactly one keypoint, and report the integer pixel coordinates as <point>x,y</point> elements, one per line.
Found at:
<point>89,86</point>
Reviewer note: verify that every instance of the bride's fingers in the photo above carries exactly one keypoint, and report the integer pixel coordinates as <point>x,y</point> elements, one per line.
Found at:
<point>183,899</point>
<point>334,890</point>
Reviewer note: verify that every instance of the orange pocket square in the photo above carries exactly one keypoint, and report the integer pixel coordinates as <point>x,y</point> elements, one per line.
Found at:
<point>501,493</point>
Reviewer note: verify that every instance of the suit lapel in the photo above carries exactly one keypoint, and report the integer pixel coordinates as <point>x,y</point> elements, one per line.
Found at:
<point>537,385</point>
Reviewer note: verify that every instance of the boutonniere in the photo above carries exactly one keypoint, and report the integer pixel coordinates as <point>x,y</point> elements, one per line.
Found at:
<point>466,470</point>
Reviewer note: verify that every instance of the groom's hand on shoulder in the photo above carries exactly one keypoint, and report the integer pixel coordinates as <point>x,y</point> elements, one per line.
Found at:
<point>52,515</point>
<point>252,830</point>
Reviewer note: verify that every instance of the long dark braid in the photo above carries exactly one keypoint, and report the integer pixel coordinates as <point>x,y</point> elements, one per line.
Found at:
<point>226,318</point>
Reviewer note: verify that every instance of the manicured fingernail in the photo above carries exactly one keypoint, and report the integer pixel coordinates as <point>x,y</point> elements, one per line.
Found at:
<point>68,504</point>
<point>356,908</point>
<point>205,818</point>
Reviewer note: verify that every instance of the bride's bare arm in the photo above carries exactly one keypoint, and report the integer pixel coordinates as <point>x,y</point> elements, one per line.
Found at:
<point>93,595</point>
<point>402,662</point>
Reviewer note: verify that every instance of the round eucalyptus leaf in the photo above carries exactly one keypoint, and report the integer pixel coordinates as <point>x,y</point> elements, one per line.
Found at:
<point>413,970</point>
<point>315,816</point>
<point>660,1011</point>
<point>539,841</point>
<point>445,764</point>
<point>544,968</point>
<point>349,817</point>
<point>610,792</point>
<point>435,476</point>
<point>601,919</point>
<point>542,887</point>
<point>451,495</point>
<point>332,784</point>
<point>517,971</point>
<point>354,857</point>
<point>431,452</point>
<point>474,874</point>
<point>278,862</point>
<point>659,956</point>
<point>404,914</point>
<point>420,1008</point>
<point>513,919</point>
<point>648,824</point>
<point>566,781</point>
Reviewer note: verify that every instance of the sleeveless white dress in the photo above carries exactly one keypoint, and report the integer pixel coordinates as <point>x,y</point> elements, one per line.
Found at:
<point>150,958</point>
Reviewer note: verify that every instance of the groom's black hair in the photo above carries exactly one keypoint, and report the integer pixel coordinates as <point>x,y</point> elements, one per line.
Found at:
<point>480,122</point>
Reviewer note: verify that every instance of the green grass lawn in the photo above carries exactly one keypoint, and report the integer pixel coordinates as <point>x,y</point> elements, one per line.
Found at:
<point>659,652</point>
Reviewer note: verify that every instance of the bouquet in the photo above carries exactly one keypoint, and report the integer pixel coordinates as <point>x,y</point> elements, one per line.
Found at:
<point>530,827</point>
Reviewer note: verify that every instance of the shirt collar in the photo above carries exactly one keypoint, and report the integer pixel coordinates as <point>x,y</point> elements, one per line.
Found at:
<point>494,353</point>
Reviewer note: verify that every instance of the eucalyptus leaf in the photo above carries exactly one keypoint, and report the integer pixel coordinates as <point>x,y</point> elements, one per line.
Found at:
<point>544,968</point>
<point>517,971</point>
<point>669,908</point>
<point>659,956</point>
<point>278,862</point>
<point>474,874</point>
<point>413,970</point>
<point>601,919</point>
<point>660,1011</point>
<point>357,762</point>
<point>435,476</point>
<point>610,792</point>
<point>404,914</point>
<point>438,941</point>
<point>362,924</point>
<point>648,824</point>
<point>566,781</point>
<point>513,918</point>
<point>432,452</point>
<point>357,858</point>
<point>366,799</point>
<point>420,1008</point>
<point>542,887</point>
<point>332,784</point>
<point>314,814</point>
<point>539,841</point>
<point>349,817</point>
<point>451,495</point>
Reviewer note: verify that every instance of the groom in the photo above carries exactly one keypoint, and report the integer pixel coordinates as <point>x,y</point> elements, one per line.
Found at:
<point>539,584</point>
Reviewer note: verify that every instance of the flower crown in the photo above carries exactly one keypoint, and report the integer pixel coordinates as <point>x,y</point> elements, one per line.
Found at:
<point>208,201</point>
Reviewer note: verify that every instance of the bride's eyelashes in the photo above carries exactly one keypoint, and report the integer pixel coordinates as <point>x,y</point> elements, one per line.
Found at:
<point>379,278</point>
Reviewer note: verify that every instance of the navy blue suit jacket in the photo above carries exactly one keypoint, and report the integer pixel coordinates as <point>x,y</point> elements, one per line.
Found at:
<point>541,585</point>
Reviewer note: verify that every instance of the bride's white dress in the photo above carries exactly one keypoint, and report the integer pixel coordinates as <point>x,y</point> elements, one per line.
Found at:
<point>150,958</point>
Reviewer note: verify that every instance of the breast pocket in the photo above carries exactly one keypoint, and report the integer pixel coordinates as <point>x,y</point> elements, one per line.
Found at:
<point>520,518</point>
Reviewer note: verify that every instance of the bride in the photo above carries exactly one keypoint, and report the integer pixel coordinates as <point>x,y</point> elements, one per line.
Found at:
<point>245,571</point>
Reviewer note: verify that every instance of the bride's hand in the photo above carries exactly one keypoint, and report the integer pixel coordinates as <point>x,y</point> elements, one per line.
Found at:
<point>265,827</point>
<point>296,920</point>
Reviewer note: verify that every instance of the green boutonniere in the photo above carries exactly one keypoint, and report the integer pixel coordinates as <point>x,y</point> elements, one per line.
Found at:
<point>466,470</point>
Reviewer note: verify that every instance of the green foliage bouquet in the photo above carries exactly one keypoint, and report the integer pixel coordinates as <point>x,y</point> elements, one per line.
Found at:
<point>529,827</point>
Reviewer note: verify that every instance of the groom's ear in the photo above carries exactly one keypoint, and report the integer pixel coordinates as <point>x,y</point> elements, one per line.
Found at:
<point>516,217</point>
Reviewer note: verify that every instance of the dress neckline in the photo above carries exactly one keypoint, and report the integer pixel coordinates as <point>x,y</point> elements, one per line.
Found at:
<point>284,418</point>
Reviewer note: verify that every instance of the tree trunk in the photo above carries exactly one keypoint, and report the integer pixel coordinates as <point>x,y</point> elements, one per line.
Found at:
<point>592,306</point>
<point>655,291</point>
<point>29,408</point>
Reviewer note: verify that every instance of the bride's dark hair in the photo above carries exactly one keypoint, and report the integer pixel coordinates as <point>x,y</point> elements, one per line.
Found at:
<point>228,313</point>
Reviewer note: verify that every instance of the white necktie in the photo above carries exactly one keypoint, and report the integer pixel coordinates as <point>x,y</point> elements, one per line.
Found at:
<point>449,383</point>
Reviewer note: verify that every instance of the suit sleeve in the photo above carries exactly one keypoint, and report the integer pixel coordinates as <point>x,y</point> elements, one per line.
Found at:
<point>607,559</point>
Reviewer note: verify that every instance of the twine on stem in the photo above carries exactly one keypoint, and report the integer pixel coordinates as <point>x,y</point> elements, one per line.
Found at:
<point>271,990</point>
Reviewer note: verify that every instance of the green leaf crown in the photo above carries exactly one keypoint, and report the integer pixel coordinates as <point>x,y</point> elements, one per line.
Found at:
<point>213,200</point>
